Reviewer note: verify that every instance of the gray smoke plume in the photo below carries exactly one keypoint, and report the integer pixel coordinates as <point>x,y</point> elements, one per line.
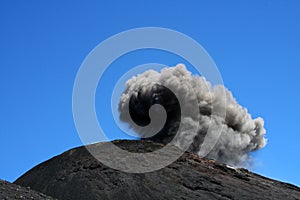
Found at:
<point>240,133</point>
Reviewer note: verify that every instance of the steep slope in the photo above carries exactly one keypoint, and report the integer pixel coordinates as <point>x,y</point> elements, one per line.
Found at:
<point>76,174</point>
<point>9,191</point>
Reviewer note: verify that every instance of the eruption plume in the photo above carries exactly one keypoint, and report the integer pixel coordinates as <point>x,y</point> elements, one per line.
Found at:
<point>240,134</point>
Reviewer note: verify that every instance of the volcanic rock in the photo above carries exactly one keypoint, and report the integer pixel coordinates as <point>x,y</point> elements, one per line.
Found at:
<point>76,174</point>
<point>9,191</point>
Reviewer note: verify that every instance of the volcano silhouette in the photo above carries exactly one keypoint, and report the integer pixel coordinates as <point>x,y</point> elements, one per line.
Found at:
<point>76,174</point>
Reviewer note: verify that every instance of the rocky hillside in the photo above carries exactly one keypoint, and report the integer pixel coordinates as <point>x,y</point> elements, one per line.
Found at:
<point>76,174</point>
<point>9,191</point>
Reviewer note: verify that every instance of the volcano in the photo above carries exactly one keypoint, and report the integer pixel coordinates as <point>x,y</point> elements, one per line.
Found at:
<point>76,174</point>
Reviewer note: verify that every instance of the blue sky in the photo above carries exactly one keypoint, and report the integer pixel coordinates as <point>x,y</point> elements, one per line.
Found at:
<point>255,45</point>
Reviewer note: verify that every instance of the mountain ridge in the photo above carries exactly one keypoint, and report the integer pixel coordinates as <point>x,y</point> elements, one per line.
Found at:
<point>76,174</point>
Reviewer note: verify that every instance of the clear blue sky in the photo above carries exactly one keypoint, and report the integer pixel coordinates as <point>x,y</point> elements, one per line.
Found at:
<point>255,45</point>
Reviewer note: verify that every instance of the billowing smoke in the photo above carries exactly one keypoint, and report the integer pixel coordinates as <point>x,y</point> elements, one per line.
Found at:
<point>240,134</point>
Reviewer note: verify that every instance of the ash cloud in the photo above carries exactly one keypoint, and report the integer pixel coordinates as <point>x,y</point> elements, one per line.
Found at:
<point>240,133</point>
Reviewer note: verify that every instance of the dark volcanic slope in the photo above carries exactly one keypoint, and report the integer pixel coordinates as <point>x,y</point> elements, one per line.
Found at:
<point>75,174</point>
<point>9,191</point>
